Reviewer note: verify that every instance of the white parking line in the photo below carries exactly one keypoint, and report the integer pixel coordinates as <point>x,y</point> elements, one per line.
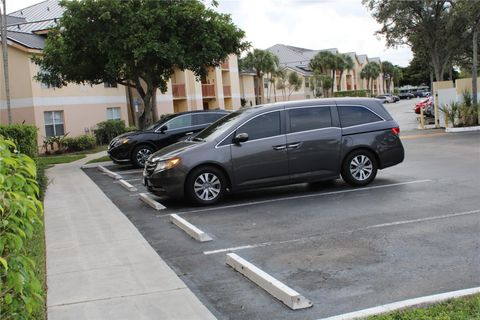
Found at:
<point>375,226</point>
<point>299,197</point>
<point>404,304</point>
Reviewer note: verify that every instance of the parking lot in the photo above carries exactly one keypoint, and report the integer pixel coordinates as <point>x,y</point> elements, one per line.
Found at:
<point>413,232</point>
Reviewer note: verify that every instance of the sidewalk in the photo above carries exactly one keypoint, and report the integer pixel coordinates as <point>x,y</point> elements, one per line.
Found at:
<point>98,265</point>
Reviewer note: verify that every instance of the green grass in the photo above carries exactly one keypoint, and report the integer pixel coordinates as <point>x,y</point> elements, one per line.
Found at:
<point>60,158</point>
<point>101,159</point>
<point>465,308</point>
<point>49,160</point>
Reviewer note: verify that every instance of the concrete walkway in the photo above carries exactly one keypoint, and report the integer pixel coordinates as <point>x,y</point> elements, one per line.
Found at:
<point>98,265</point>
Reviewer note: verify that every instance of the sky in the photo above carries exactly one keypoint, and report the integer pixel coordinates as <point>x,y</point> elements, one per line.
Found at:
<point>313,24</point>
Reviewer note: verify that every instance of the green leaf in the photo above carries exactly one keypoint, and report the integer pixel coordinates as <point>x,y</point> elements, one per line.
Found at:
<point>4,263</point>
<point>8,298</point>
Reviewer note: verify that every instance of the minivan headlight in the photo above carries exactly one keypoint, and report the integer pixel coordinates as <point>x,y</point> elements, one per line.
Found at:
<point>166,164</point>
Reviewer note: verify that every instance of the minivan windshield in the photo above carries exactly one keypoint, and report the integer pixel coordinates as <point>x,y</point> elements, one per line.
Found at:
<point>163,119</point>
<point>217,128</point>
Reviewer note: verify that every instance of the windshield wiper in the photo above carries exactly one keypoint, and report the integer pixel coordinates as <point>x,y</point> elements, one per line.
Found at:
<point>198,139</point>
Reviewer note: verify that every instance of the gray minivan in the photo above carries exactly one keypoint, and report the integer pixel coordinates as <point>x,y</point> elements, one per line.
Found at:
<point>276,144</point>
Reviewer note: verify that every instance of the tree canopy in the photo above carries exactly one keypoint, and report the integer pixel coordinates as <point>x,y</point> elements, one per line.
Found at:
<point>426,25</point>
<point>262,62</point>
<point>137,44</point>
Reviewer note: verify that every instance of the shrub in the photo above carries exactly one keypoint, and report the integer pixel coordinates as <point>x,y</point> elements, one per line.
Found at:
<point>80,143</point>
<point>24,136</point>
<point>107,130</point>
<point>21,293</point>
<point>130,129</point>
<point>352,93</point>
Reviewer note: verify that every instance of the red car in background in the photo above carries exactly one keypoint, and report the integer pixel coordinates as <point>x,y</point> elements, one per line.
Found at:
<point>424,104</point>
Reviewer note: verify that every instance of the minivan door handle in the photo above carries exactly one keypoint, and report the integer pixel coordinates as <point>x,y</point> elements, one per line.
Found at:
<point>282,147</point>
<point>293,145</point>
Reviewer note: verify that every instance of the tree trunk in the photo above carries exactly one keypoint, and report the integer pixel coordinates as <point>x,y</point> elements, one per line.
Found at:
<point>339,84</point>
<point>274,91</point>
<point>3,27</point>
<point>333,80</point>
<point>474,69</point>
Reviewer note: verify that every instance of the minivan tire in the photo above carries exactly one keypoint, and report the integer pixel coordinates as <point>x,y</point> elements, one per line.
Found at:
<point>359,168</point>
<point>205,185</point>
<point>143,149</point>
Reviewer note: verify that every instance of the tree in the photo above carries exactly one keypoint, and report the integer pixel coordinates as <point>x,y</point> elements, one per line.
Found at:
<point>397,76</point>
<point>3,36</point>
<point>294,83</point>
<point>470,11</point>
<point>325,63</point>
<point>370,72</point>
<point>137,44</point>
<point>282,81</point>
<point>425,25</point>
<point>387,70</point>
<point>273,77</point>
<point>343,63</point>
<point>262,62</point>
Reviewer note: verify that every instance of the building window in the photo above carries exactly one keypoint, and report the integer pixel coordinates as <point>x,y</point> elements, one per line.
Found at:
<point>307,82</point>
<point>113,113</point>
<point>265,83</point>
<point>110,84</point>
<point>54,123</point>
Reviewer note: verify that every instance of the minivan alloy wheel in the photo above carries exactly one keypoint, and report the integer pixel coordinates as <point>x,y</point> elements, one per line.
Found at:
<point>361,167</point>
<point>207,186</point>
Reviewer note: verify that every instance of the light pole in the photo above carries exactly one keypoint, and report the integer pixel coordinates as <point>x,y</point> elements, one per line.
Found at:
<point>3,26</point>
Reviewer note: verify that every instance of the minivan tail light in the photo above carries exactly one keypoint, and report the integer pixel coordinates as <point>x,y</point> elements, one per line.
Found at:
<point>396,131</point>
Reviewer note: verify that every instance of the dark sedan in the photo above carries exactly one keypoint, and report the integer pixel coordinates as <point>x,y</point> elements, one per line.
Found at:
<point>281,143</point>
<point>135,147</point>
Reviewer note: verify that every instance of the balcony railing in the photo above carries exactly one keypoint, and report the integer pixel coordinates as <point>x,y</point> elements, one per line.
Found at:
<point>178,91</point>
<point>227,91</point>
<point>208,90</point>
<point>225,65</point>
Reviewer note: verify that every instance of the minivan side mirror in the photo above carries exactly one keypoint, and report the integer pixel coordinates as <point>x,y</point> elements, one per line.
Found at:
<point>163,128</point>
<point>241,137</point>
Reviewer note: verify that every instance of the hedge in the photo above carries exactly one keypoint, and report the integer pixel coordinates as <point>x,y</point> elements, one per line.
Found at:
<point>107,130</point>
<point>24,136</point>
<point>80,143</point>
<point>352,93</point>
<point>21,294</point>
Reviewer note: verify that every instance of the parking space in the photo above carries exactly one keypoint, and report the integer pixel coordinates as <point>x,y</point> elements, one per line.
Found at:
<point>413,232</point>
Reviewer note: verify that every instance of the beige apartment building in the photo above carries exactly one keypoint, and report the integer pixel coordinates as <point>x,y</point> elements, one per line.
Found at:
<point>297,60</point>
<point>76,109</point>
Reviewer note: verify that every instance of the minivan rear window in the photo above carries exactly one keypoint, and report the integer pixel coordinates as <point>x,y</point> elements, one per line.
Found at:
<point>311,118</point>
<point>356,115</point>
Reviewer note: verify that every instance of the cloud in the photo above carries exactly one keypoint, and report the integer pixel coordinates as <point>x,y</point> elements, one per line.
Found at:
<point>346,25</point>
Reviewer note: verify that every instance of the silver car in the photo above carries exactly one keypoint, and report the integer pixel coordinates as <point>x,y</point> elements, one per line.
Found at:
<point>276,144</point>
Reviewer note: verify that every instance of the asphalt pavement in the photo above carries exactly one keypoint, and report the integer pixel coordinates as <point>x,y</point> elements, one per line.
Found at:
<point>411,233</point>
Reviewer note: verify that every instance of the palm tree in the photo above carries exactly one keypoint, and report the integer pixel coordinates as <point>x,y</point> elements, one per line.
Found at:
<point>273,73</point>
<point>370,72</point>
<point>344,62</point>
<point>324,62</point>
<point>262,62</point>
<point>387,69</point>
<point>397,76</point>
